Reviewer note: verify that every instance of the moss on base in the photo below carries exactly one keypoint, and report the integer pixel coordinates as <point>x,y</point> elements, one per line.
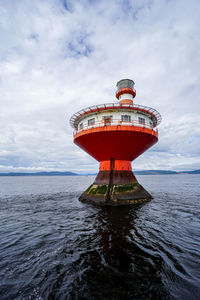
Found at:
<point>95,189</point>
<point>116,194</point>
<point>120,188</point>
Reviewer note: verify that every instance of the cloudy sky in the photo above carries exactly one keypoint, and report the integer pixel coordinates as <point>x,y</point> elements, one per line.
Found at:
<point>58,56</point>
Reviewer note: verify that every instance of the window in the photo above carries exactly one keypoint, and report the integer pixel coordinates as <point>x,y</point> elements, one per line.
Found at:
<point>126,118</point>
<point>107,120</point>
<point>141,121</point>
<point>91,122</point>
<point>81,126</point>
<point>151,124</point>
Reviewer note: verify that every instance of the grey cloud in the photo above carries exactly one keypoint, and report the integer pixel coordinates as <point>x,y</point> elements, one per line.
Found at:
<point>43,81</point>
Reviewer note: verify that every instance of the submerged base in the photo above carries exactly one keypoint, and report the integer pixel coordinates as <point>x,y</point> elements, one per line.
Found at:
<point>115,188</point>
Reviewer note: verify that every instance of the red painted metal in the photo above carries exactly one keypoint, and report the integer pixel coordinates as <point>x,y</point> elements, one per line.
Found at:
<point>126,101</point>
<point>119,165</point>
<point>118,142</point>
<point>126,91</point>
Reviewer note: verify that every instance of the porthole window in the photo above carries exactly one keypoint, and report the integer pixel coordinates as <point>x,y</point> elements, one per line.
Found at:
<point>81,126</point>
<point>91,122</point>
<point>141,120</point>
<point>126,118</point>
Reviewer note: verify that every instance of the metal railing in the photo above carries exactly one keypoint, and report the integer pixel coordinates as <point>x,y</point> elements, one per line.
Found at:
<point>74,120</point>
<point>115,122</point>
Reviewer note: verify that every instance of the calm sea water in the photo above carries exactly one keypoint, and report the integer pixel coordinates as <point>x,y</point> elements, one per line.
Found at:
<point>54,247</point>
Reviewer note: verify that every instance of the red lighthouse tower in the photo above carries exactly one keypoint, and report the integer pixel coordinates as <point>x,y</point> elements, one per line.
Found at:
<point>115,134</point>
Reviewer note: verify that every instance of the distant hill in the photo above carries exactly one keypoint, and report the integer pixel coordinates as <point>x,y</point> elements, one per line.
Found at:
<point>40,174</point>
<point>154,172</point>
<point>164,172</point>
<point>145,172</point>
<point>191,172</point>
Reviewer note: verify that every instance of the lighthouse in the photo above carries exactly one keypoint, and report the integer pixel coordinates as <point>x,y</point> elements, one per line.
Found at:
<point>115,134</point>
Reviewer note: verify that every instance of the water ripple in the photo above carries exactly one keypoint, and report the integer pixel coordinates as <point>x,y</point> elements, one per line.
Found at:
<point>54,247</point>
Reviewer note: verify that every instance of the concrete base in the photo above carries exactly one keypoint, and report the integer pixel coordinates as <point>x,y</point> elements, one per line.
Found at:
<point>114,189</point>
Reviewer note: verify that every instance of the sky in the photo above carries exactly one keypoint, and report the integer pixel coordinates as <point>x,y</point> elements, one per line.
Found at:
<point>59,56</point>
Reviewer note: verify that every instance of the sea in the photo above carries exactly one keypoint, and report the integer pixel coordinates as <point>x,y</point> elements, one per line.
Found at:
<point>54,247</point>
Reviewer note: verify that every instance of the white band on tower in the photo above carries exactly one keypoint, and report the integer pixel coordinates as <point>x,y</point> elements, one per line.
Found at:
<point>125,96</point>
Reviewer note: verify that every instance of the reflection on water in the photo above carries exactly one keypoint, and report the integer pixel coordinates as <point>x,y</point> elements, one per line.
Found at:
<point>114,264</point>
<point>54,247</point>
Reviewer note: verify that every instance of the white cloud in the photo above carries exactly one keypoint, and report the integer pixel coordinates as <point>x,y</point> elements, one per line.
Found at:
<point>60,56</point>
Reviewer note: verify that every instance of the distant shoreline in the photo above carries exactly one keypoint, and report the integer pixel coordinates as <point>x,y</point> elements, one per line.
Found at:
<point>144,172</point>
